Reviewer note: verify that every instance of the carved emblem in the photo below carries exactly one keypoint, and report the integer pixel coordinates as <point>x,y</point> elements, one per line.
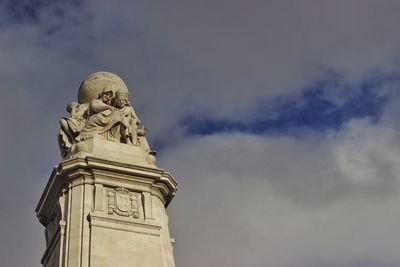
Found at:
<point>122,203</point>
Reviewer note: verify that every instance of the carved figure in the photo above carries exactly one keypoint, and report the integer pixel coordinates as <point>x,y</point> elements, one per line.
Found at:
<point>103,119</point>
<point>131,121</point>
<point>142,141</point>
<point>109,115</point>
<point>72,126</point>
<point>129,118</point>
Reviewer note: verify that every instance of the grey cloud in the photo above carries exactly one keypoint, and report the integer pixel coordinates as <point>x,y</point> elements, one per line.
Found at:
<point>251,201</point>
<point>244,200</point>
<point>275,47</point>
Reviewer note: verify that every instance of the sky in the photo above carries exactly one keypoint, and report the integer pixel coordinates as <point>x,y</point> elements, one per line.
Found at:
<point>279,119</point>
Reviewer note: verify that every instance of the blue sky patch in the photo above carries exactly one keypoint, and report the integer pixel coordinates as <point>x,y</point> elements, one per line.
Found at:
<point>317,108</point>
<point>28,11</point>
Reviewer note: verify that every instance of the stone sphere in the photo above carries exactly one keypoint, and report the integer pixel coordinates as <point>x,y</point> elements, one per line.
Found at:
<point>94,84</point>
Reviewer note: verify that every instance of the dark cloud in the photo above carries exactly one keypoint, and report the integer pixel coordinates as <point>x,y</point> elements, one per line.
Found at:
<point>244,200</point>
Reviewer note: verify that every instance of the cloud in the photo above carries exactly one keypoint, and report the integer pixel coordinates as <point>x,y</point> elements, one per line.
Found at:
<point>320,107</point>
<point>316,198</point>
<point>247,200</point>
<point>272,48</point>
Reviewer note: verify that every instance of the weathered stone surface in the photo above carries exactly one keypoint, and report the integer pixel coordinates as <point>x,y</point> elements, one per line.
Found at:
<point>103,149</point>
<point>104,213</point>
<point>103,111</point>
<point>105,204</point>
<point>94,84</point>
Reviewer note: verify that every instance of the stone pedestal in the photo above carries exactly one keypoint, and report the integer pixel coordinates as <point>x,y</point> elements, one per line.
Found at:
<point>101,212</point>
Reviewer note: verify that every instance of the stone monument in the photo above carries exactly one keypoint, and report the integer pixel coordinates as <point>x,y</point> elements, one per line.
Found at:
<point>105,203</point>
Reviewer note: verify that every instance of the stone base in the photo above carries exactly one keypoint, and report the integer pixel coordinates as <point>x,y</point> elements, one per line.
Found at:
<point>100,148</point>
<point>103,213</point>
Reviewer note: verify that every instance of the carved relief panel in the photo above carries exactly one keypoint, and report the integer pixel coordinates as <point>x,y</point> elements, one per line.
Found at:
<point>124,203</point>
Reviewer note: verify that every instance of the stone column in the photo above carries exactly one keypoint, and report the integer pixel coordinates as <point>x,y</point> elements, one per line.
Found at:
<point>100,213</point>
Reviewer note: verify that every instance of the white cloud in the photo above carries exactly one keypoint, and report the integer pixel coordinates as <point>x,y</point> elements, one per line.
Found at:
<point>277,201</point>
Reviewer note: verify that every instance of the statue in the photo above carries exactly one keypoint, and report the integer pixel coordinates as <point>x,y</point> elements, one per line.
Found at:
<point>129,118</point>
<point>103,119</point>
<point>72,126</point>
<point>109,116</point>
<point>132,134</point>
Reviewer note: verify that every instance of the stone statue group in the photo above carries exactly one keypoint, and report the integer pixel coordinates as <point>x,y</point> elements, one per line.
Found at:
<point>110,116</point>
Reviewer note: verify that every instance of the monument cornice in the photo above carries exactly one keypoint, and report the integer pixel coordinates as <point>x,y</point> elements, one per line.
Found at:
<point>94,170</point>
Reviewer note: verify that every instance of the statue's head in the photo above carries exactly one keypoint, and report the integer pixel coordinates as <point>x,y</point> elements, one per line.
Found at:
<point>107,94</point>
<point>71,106</point>
<point>121,99</point>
